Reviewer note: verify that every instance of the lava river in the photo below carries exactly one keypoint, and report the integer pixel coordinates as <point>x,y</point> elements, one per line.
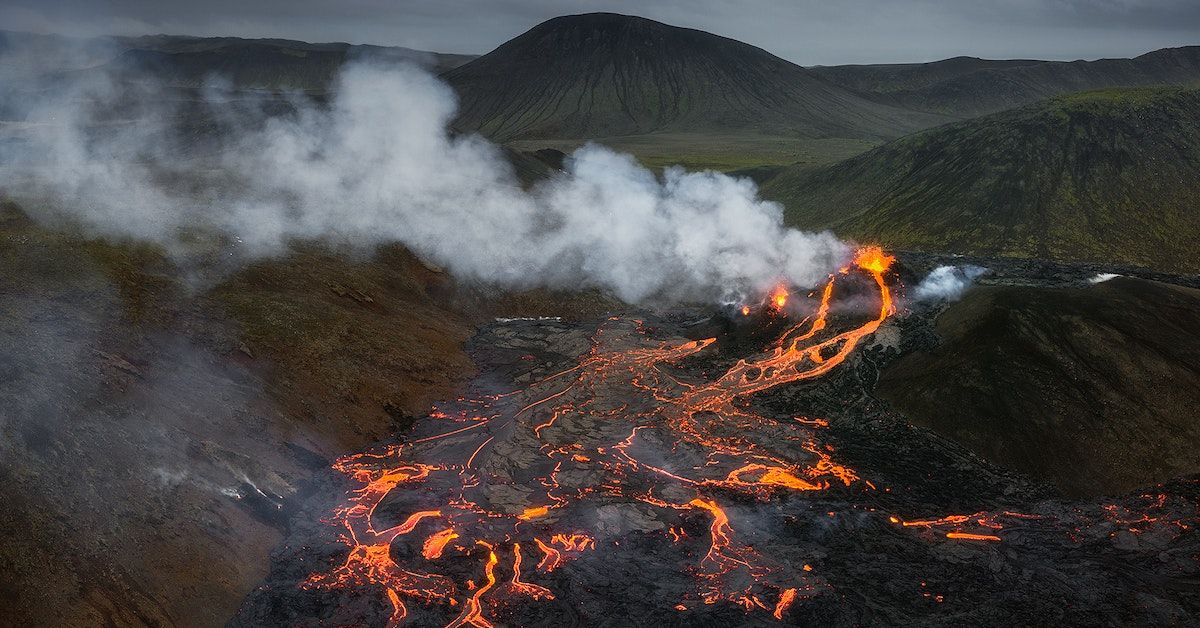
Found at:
<point>476,516</point>
<point>616,430</point>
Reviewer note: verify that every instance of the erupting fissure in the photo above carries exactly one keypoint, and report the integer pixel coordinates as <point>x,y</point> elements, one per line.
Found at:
<point>619,430</point>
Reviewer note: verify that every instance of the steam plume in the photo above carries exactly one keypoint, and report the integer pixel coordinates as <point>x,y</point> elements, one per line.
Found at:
<point>947,283</point>
<point>377,164</point>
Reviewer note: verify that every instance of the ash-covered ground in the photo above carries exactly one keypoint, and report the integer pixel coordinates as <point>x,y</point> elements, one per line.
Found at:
<point>808,502</point>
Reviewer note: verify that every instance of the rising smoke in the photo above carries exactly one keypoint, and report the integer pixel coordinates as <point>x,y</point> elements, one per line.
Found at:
<point>947,283</point>
<point>377,164</point>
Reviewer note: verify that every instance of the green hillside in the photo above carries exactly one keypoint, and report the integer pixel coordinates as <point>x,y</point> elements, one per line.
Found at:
<point>1109,175</point>
<point>606,75</point>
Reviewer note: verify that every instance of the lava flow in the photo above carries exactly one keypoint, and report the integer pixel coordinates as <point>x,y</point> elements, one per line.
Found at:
<point>618,444</point>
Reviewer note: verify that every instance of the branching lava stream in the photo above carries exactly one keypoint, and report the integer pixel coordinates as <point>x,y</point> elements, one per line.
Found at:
<point>639,406</point>
<point>479,516</point>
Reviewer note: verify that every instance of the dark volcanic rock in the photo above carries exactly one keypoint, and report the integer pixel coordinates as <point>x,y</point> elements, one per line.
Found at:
<point>879,550</point>
<point>1091,387</point>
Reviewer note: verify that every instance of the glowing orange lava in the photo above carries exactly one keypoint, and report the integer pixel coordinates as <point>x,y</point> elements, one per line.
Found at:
<point>873,259</point>
<point>626,385</point>
<point>436,543</point>
<point>785,601</point>
<point>779,297</point>
<point>972,537</point>
<point>472,614</point>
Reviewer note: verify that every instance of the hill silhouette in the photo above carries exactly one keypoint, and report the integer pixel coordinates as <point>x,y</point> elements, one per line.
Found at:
<point>1097,176</point>
<point>188,62</point>
<point>603,75</point>
<point>969,87</point>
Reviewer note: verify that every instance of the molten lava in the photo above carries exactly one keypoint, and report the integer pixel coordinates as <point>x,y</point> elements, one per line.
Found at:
<point>779,297</point>
<point>873,260</point>
<point>624,386</point>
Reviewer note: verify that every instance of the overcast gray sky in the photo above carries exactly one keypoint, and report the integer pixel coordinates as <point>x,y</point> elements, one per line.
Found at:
<point>804,31</point>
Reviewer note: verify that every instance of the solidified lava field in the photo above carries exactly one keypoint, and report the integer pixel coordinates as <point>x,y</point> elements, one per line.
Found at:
<point>641,470</point>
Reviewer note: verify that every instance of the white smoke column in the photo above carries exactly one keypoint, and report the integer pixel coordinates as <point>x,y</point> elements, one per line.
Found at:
<point>1102,277</point>
<point>98,171</point>
<point>378,165</point>
<point>947,283</point>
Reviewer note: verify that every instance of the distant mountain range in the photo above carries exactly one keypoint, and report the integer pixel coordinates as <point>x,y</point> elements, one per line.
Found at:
<point>602,75</point>
<point>607,75</point>
<point>968,87</point>
<point>262,63</point>
<point>1108,175</point>
<point>183,61</point>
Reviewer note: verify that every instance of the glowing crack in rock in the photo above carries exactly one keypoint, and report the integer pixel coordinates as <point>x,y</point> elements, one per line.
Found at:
<point>627,396</point>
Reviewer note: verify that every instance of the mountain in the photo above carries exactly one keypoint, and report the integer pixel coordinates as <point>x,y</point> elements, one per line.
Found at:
<point>602,74</point>
<point>968,87</point>
<point>182,61</point>
<point>262,63</point>
<point>890,78</point>
<point>1092,388</point>
<point>1105,176</point>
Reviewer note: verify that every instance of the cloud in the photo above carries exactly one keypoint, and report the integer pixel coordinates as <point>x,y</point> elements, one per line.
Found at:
<point>378,165</point>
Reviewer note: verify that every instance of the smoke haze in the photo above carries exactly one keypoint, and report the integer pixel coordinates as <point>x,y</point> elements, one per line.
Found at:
<point>376,164</point>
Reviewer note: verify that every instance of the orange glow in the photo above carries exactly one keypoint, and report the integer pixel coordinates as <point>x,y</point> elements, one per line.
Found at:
<point>535,591</point>
<point>983,522</point>
<point>873,259</point>
<point>621,381</point>
<point>785,600</point>
<point>574,542</point>
<point>972,537</point>
<point>779,297</point>
<point>551,559</point>
<point>473,612</point>
<point>770,476</point>
<point>719,529</point>
<point>412,521</point>
<point>534,513</point>
<point>436,543</point>
<point>399,612</point>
